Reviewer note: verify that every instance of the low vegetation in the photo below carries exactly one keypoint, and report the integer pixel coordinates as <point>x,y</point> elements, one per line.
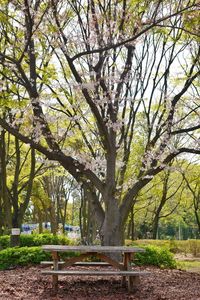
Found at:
<point>31,253</point>
<point>158,253</point>
<point>175,246</point>
<point>12,257</point>
<point>189,265</point>
<point>156,256</point>
<point>36,240</point>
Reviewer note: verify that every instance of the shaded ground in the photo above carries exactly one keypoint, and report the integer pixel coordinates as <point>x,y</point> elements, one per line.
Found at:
<point>28,284</point>
<point>189,263</point>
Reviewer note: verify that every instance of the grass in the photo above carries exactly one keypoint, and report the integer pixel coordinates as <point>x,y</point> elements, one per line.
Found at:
<point>183,246</point>
<point>189,265</point>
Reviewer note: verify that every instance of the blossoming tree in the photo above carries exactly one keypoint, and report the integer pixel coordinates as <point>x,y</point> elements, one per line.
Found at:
<point>89,82</point>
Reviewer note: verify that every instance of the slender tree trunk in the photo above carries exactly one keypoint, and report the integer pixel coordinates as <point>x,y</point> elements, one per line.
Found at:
<point>39,220</point>
<point>1,209</point>
<point>155,226</point>
<point>1,219</point>
<point>197,220</point>
<point>24,204</point>
<point>84,218</point>
<point>64,215</point>
<point>132,225</point>
<point>15,218</point>
<point>54,225</point>
<point>160,207</point>
<point>4,193</point>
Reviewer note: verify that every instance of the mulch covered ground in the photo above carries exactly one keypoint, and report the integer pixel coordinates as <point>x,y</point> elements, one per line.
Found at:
<point>28,284</point>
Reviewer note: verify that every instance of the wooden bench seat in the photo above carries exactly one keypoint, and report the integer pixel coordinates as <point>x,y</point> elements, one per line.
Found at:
<point>133,276</point>
<point>80,263</point>
<point>94,272</point>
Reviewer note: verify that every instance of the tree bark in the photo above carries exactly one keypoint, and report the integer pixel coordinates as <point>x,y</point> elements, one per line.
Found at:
<point>112,231</point>
<point>6,201</point>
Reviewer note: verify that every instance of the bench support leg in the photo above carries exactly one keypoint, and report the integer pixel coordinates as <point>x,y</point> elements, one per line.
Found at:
<point>55,283</point>
<point>127,266</point>
<point>133,283</point>
<point>55,268</point>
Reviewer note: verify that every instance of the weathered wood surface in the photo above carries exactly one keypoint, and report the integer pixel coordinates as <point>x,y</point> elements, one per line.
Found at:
<point>123,269</point>
<point>80,263</point>
<point>94,273</point>
<point>101,249</point>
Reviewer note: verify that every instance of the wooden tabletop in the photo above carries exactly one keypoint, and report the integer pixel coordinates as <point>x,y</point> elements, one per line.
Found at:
<point>61,248</point>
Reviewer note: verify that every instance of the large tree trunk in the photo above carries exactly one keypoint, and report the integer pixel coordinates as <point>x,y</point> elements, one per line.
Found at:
<point>112,232</point>
<point>112,235</point>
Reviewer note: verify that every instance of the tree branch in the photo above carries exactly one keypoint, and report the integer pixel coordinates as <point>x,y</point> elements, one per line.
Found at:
<point>122,43</point>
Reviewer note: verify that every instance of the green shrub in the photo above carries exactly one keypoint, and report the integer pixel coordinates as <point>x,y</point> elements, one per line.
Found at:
<point>13,257</point>
<point>175,246</point>
<point>4,241</point>
<point>32,240</point>
<point>156,256</point>
<point>42,239</point>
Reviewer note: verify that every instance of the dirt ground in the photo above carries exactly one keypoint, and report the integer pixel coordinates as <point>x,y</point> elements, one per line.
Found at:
<point>28,284</point>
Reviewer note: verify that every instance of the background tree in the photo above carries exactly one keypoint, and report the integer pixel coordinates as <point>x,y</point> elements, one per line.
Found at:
<point>18,167</point>
<point>191,177</point>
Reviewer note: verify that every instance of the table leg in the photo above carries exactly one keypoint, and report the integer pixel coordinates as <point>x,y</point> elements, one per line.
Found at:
<point>127,266</point>
<point>133,281</point>
<point>55,268</point>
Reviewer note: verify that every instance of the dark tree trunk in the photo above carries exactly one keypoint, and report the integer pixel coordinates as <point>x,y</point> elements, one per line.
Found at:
<point>197,220</point>
<point>40,220</point>
<point>132,225</point>
<point>53,219</point>
<point>112,232</point>
<point>15,219</point>
<point>4,193</point>
<point>155,226</point>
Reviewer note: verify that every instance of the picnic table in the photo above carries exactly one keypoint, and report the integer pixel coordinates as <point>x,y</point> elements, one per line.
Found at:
<point>124,268</point>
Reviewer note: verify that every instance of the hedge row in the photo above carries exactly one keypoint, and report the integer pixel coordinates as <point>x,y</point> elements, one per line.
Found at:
<point>13,257</point>
<point>156,256</point>
<point>35,240</point>
<point>175,246</point>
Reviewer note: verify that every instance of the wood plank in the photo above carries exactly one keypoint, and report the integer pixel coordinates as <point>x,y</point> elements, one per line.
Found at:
<point>55,257</point>
<point>92,273</point>
<point>50,263</point>
<point>100,249</point>
<point>110,261</point>
<point>127,266</point>
<point>72,260</point>
<point>133,283</point>
<point>80,263</point>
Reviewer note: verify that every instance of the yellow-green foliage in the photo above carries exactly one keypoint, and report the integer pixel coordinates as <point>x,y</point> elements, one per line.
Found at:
<point>35,240</point>
<point>175,246</point>
<point>156,256</point>
<point>12,257</point>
